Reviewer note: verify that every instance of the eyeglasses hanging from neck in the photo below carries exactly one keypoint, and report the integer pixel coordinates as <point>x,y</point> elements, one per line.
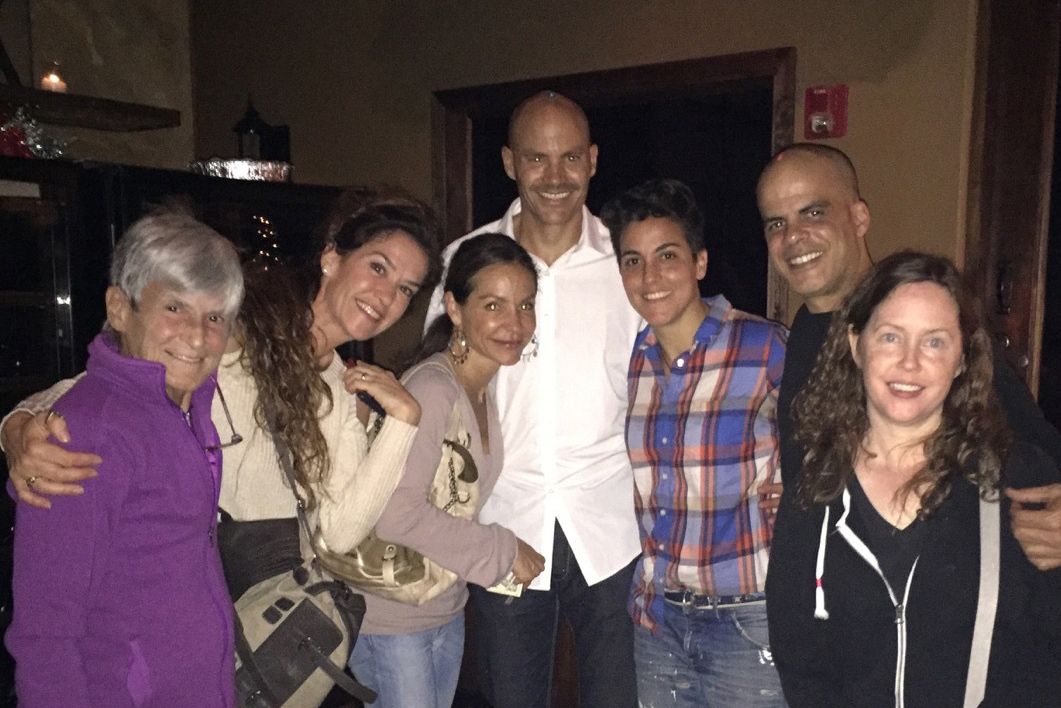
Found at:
<point>236,438</point>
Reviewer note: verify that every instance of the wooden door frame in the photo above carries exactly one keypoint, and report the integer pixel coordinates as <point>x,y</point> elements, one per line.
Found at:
<point>453,111</point>
<point>1010,170</point>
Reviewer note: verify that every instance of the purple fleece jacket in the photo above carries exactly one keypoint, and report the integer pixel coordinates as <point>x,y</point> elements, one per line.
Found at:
<point>119,595</point>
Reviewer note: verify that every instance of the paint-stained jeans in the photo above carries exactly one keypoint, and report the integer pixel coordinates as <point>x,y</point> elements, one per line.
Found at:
<point>707,658</point>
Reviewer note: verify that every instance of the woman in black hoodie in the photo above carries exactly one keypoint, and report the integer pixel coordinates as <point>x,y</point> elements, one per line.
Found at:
<point>875,573</point>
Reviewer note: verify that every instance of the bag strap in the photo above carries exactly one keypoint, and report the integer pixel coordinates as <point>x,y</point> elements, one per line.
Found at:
<point>455,425</point>
<point>987,604</point>
<point>284,455</point>
<point>264,696</point>
<point>352,687</point>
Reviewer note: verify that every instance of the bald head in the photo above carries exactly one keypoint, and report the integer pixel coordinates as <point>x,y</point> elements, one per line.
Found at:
<point>542,105</point>
<point>815,223</point>
<point>844,177</point>
<point>550,157</point>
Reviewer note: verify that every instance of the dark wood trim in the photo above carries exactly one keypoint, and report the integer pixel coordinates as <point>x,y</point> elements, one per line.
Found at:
<point>451,168</point>
<point>86,111</point>
<point>454,110</point>
<point>1010,170</point>
<point>784,135</point>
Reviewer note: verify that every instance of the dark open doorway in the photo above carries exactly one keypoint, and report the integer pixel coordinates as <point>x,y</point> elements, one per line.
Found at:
<point>716,143</point>
<point>713,123</point>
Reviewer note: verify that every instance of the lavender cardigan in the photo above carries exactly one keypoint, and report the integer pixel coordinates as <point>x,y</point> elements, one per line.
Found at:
<point>119,598</point>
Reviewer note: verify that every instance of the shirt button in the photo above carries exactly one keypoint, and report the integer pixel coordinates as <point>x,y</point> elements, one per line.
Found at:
<point>663,476</point>
<point>662,512</point>
<point>664,441</point>
<point>680,363</point>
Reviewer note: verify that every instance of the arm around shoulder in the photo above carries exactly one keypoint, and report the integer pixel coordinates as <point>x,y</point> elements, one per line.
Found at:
<point>1023,413</point>
<point>1033,485</point>
<point>37,466</point>
<point>36,403</point>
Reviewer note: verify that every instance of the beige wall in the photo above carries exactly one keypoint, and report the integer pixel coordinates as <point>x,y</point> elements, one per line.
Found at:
<point>127,51</point>
<point>353,79</point>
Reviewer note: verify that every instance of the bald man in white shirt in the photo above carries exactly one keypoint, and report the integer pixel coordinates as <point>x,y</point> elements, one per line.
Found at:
<point>566,486</point>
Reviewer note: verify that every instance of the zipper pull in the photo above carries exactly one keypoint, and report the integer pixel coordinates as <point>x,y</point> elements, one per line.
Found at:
<point>899,613</point>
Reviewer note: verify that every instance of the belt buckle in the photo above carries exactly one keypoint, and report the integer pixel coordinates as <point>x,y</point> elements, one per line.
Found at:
<point>711,602</point>
<point>692,601</point>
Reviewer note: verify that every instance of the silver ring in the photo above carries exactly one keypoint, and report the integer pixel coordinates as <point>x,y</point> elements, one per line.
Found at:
<point>51,412</point>
<point>31,481</point>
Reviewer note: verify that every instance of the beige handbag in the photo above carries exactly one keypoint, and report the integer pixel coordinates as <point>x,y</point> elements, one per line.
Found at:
<point>396,572</point>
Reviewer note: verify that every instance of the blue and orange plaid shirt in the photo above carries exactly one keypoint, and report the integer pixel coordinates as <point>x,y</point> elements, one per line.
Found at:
<point>701,441</point>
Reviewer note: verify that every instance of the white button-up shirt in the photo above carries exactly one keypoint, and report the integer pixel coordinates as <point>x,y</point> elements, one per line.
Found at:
<point>563,412</point>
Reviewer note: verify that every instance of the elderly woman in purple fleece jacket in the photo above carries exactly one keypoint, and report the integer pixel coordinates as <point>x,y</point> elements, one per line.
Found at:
<point>120,599</point>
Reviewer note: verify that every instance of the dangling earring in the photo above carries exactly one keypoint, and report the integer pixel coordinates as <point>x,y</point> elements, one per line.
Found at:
<point>528,355</point>
<point>458,346</point>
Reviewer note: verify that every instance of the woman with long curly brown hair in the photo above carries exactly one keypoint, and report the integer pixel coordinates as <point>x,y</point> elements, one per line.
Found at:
<point>876,563</point>
<point>283,377</point>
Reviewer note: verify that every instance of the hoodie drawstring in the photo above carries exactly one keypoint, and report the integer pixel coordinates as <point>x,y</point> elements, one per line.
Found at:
<point>819,570</point>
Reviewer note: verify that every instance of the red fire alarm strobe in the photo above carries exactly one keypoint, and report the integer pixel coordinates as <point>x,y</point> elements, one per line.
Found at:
<point>825,112</point>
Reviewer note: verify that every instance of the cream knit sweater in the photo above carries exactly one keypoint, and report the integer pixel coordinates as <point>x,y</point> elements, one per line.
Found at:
<point>356,488</point>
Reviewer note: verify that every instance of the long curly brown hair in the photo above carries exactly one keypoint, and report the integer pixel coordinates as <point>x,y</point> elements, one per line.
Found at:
<point>275,328</point>
<point>830,412</point>
<point>276,321</point>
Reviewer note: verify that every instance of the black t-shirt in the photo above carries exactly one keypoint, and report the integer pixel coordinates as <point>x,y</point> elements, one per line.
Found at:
<point>896,549</point>
<point>801,351</point>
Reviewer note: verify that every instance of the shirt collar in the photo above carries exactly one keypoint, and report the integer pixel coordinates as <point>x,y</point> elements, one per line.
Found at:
<point>719,311</point>
<point>594,234</point>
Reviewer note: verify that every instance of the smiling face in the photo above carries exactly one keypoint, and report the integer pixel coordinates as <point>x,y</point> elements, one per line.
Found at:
<point>815,227</point>
<point>551,159</point>
<point>185,332</point>
<point>498,317</point>
<point>365,291</point>
<point>910,352</point>
<point>661,274</point>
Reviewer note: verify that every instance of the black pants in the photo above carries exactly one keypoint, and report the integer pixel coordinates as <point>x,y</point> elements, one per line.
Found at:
<point>516,639</point>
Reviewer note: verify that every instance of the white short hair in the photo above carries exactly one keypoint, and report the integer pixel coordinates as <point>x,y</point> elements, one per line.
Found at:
<point>176,250</point>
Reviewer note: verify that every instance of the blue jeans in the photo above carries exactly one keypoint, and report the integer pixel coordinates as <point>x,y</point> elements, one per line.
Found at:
<point>515,637</point>
<point>707,658</point>
<point>419,669</point>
